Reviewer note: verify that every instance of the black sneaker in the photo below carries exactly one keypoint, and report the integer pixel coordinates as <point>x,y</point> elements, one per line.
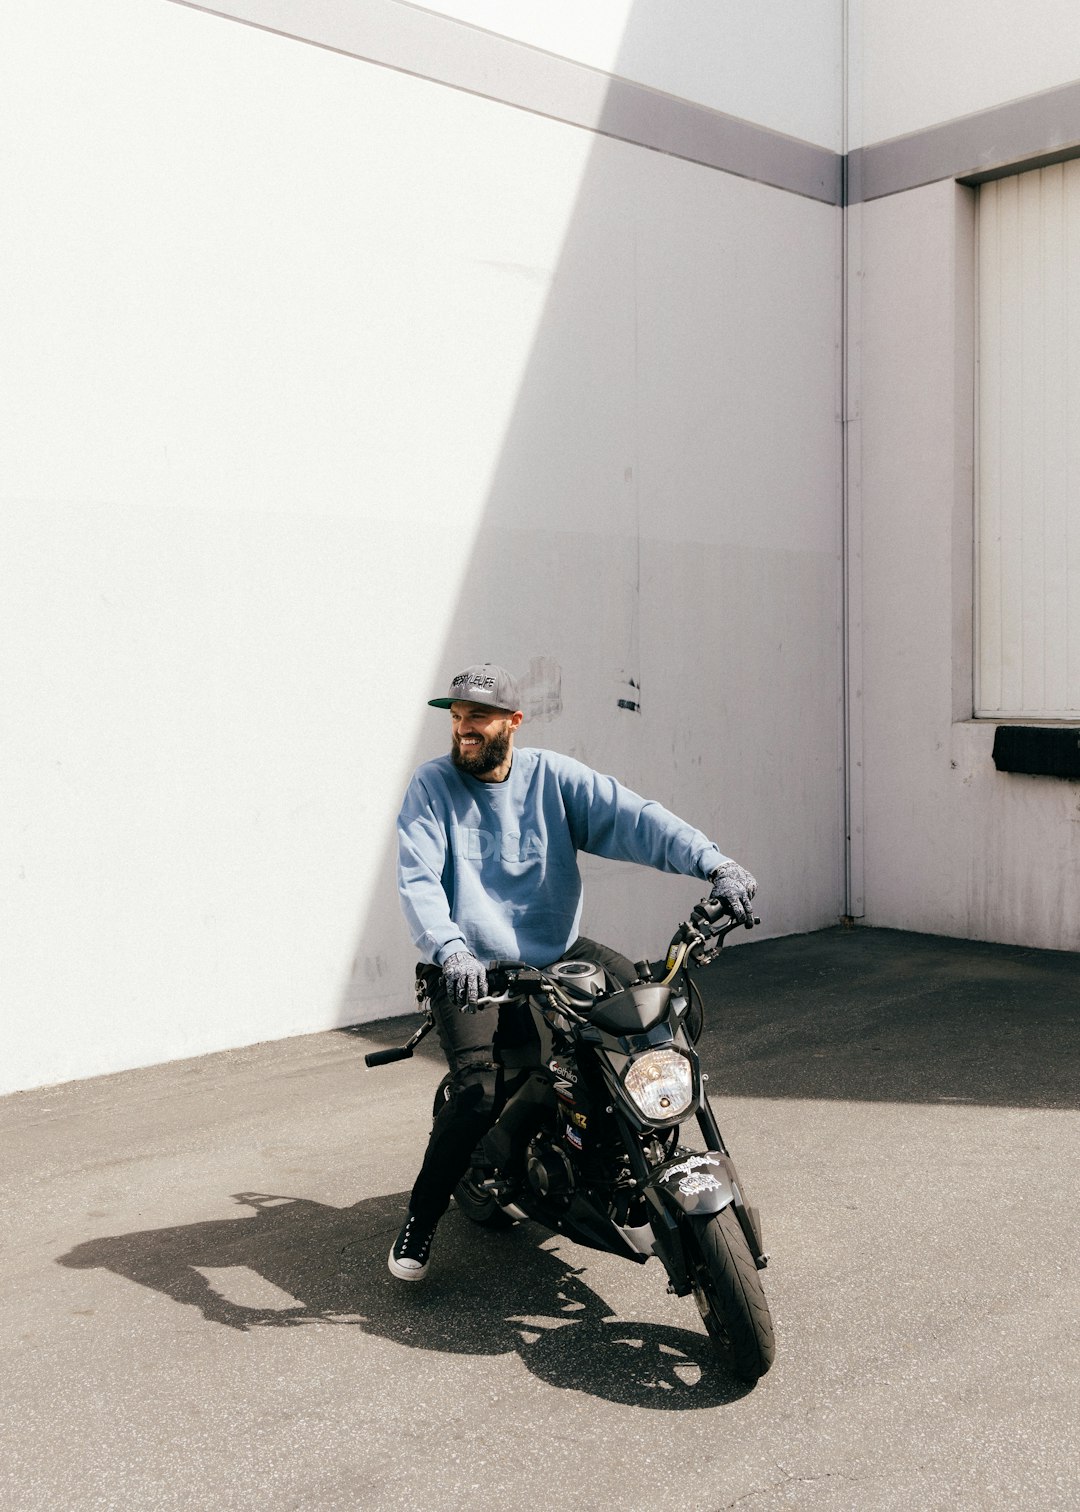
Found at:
<point>408,1259</point>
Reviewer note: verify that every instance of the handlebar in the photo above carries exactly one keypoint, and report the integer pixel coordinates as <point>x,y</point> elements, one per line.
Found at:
<point>490,1001</point>
<point>700,939</point>
<point>400,1052</point>
<point>690,942</point>
<point>707,913</point>
<point>384,1057</point>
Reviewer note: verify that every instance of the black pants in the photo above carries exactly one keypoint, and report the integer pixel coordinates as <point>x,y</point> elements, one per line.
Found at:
<point>466,1039</point>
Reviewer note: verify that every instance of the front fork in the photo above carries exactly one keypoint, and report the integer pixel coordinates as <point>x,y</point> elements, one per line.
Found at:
<point>691,1185</point>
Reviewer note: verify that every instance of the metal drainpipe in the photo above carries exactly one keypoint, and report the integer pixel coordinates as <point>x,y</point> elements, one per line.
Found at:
<point>851,497</point>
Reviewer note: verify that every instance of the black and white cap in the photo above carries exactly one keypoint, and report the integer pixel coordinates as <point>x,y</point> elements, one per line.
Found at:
<point>482,684</point>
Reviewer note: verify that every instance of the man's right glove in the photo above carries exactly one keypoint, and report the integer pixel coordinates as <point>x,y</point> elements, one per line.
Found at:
<point>465,980</point>
<point>734,887</point>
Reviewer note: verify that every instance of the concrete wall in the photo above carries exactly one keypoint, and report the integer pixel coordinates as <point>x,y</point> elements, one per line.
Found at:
<point>923,62</point>
<point>771,62</point>
<point>325,380</point>
<point>942,842</point>
<point>952,846</point>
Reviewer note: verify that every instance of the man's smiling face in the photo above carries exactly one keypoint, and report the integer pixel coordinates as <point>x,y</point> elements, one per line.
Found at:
<point>481,739</point>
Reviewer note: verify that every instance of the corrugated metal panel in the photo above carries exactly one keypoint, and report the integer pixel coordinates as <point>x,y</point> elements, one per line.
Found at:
<point>1028,529</point>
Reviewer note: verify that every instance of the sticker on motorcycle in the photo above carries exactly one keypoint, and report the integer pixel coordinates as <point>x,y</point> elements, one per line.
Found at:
<point>698,1181</point>
<point>694,1179</point>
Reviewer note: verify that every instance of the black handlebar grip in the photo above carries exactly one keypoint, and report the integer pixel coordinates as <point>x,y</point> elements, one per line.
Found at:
<point>384,1057</point>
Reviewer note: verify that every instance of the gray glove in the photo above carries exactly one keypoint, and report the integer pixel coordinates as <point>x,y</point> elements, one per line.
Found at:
<point>465,980</point>
<point>734,887</point>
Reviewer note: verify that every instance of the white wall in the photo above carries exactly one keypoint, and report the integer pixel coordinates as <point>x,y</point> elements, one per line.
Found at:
<point>952,846</point>
<point>325,380</point>
<point>699,508</point>
<point>949,845</point>
<point>770,62</point>
<point>922,62</point>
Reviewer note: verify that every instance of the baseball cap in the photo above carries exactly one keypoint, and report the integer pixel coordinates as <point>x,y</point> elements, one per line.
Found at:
<point>484,683</point>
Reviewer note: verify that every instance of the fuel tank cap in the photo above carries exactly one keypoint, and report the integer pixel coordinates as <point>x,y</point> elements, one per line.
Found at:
<point>585,977</point>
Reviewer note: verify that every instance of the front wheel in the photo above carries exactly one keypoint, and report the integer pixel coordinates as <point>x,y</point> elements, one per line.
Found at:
<point>730,1295</point>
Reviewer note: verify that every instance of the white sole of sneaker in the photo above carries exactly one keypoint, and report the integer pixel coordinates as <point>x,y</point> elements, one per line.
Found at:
<point>406,1272</point>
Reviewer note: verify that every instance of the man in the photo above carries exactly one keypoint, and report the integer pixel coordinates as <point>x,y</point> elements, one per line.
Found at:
<point>488,838</point>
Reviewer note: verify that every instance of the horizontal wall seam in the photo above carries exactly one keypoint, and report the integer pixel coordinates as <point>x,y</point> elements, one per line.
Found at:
<point>439,48</point>
<point>1031,132</point>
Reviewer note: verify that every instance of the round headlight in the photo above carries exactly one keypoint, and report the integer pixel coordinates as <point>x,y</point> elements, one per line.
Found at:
<point>661,1084</point>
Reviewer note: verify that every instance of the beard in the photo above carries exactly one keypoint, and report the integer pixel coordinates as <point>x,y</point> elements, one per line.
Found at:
<point>479,760</point>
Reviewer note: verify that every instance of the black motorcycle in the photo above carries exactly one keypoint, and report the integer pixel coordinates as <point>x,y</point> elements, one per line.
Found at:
<point>597,1084</point>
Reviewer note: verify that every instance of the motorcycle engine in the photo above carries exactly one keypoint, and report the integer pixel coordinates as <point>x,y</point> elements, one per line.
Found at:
<point>549,1171</point>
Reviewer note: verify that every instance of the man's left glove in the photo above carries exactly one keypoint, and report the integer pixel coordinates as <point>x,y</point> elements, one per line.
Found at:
<point>734,887</point>
<point>465,979</point>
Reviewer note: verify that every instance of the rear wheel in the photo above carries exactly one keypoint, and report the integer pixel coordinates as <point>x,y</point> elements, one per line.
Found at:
<point>730,1295</point>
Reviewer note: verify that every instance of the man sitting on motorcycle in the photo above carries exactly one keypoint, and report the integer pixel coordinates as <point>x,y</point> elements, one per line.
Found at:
<point>488,838</point>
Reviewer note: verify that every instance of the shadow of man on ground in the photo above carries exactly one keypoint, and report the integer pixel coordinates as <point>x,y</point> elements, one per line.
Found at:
<point>294,1263</point>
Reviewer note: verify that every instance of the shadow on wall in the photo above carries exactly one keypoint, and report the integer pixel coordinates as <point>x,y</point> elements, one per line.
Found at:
<point>637,490</point>
<point>293,1263</point>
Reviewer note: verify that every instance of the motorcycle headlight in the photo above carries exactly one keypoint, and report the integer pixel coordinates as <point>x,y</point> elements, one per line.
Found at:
<point>660,1083</point>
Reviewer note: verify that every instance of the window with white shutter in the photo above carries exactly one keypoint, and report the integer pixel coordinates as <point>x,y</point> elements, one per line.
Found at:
<point>1027,663</point>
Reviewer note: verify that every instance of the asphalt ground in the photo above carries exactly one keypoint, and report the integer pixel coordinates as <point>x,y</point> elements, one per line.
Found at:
<point>197,1312</point>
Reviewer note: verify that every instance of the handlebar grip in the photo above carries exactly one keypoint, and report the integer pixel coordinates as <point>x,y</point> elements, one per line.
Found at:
<point>384,1057</point>
<point>709,911</point>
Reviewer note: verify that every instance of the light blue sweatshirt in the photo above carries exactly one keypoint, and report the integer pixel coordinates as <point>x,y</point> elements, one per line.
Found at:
<point>491,867</point>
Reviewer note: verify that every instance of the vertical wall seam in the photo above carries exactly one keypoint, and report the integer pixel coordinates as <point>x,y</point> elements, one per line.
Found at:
<point>851,503</point>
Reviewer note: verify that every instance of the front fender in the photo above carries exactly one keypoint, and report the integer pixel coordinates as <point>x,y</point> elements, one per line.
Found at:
<point>698,1183</point>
